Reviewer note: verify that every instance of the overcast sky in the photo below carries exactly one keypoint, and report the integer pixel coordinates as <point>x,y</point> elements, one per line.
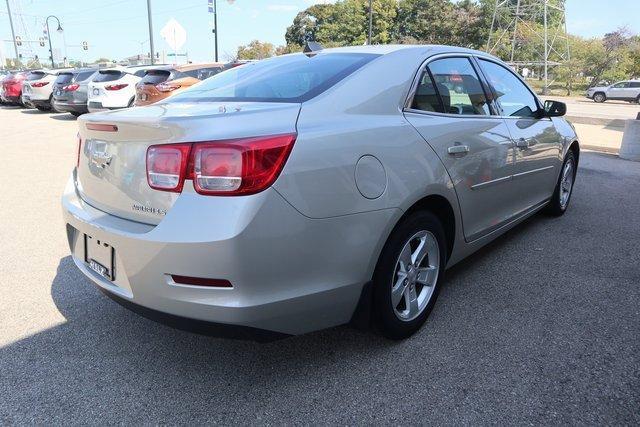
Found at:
<point>118,28</point>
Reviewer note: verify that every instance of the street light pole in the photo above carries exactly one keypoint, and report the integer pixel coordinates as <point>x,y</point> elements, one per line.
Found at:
<point>13,34</point>
<point>151,53</point>
<point>370,22</point>
<point>59,29</point>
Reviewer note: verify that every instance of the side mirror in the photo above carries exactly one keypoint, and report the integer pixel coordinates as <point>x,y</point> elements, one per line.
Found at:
<point>554,109</point>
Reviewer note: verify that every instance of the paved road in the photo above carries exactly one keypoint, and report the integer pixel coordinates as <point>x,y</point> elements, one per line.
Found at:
<point>543,326</point>
<point>610,110</point>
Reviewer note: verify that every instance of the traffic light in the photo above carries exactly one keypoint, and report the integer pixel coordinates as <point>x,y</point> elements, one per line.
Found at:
<point>41,41</point>
<point>18,41</point>
<point>85,46</point>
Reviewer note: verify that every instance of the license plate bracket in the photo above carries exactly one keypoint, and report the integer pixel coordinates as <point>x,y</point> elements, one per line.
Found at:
<point>100,257</point>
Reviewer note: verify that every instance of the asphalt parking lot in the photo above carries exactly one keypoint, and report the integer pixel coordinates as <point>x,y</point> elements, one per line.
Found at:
<point>540,327</point>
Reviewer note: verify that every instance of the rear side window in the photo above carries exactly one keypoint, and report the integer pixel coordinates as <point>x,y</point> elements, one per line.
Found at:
<point>108,76</point>
<point>621,85</point>
<point>80,77</point>
<point>635,84</point>
<point>35,75</point>
<point>156,76</point>
<point>64,78</point>
<point>289,78</point>
<point>452,86</point>
<point>514,98</point>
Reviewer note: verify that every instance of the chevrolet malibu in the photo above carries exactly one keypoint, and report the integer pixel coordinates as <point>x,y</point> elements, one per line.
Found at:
<point>312,190</point>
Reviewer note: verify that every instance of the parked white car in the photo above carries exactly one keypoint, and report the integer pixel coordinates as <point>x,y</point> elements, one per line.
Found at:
<point>38,88</point>
<point>114,88</point>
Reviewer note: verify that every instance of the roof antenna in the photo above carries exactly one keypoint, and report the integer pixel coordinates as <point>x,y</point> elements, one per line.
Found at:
<point>311,48</point>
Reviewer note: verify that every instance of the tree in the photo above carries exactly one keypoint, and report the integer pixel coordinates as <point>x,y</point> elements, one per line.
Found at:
<point>256,50</point>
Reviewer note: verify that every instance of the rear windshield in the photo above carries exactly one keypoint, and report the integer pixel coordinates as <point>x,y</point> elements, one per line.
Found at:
<point>64,78</point>
<point>203,73</point>
<point>35,75</point>
<point>290,78</point>
<point>154,77</point>
<point>108,76</point>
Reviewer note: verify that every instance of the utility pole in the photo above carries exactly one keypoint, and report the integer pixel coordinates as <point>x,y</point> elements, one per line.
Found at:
<point>152,55</point>
<point>370,23</point>
<point>215,27</point>
<point>13,33</point>
<point>545,90</point>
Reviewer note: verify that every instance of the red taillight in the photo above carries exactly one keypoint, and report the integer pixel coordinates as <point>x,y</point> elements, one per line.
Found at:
<point>167,166</point>
<point>116,87</point>
<point>71,87</point>
<point>39,84</point>
<point>79,149</point>
<point>167,87</point>
<point>222,168</point>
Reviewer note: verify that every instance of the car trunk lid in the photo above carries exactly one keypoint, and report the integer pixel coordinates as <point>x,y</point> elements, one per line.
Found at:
<point>112,162</point>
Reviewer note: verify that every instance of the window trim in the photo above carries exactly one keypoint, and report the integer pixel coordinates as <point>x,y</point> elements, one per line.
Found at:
<point>423,67</point>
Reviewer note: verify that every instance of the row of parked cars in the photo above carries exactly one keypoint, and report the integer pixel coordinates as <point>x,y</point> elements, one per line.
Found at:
<point>83,90</point>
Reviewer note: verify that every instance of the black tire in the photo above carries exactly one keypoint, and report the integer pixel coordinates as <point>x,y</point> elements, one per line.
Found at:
<point>599,97</point>
<point>555,206</point>
<point>76,114</point>
<point>41,108</point>
<point>386,321</point>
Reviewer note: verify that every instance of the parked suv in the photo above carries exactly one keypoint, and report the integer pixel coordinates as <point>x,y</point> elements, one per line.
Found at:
<point>628,90</point>
<point>38,89</point>
<point>158,84</point>
<point>70,90</point>
<point>12,87</point>
<point>114,88</point>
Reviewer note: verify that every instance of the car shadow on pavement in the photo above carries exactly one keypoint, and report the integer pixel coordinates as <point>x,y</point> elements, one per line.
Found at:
<point>68,117</point>
<point>34,111</point>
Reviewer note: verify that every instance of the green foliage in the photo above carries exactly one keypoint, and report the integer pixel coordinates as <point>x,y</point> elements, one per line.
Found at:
<point>256,50</point>
<point>467,23</point>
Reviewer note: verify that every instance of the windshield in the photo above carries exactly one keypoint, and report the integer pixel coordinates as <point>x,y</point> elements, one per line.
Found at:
<point>155,76</point>
<point>108,76</point>
<point>290,78</point>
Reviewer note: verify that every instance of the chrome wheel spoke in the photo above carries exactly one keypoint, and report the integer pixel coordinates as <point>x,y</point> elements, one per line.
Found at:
<point>421,251</point>
<point>411,301</point>
<point>427,276</point>
<point>398,290</point>
<point>405,258</point>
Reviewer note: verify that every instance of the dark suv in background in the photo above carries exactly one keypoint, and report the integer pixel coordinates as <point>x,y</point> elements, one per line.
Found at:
<point>70,90</point>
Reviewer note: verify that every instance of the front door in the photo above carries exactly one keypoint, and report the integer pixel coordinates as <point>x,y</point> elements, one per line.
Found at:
<point>450,111</point>
<point>619,91</point>
<point>538,143</point>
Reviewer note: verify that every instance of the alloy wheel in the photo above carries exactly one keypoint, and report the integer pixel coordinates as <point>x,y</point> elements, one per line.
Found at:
<point>415,275</point>
<point>566,184</point>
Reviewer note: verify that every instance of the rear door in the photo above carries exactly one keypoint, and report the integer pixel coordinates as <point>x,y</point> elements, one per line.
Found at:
<point>450,110</point>
<point>618,91</point>
<point>538,144</point>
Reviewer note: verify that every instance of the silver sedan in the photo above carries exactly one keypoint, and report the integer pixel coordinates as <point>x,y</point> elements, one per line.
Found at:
<point>312,190</point>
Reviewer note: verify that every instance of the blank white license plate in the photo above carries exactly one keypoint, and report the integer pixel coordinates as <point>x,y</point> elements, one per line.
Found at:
<point>100,257</point>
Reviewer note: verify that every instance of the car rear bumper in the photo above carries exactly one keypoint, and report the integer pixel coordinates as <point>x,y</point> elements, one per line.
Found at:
<point>41,103</point>
<point>71,107</point>
<point>290,274</point>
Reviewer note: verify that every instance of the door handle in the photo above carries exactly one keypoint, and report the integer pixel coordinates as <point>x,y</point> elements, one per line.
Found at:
<point>458,149</point>
<point>522,143</point>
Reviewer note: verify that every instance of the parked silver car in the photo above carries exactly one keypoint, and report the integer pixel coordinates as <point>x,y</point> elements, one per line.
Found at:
<point>307,191</point>
<point>628,90</point>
